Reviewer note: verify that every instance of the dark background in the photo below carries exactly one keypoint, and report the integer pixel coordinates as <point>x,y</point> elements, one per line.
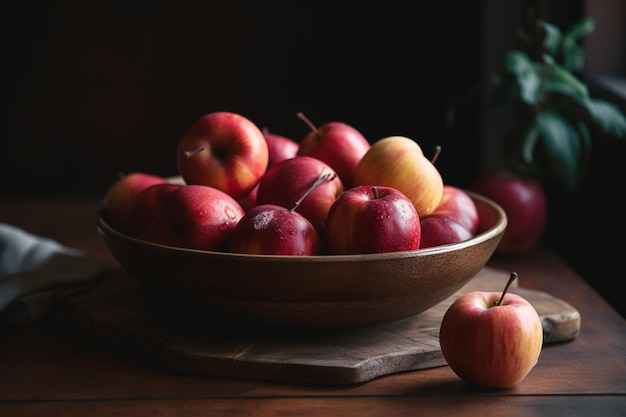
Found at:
<point>92,89</point>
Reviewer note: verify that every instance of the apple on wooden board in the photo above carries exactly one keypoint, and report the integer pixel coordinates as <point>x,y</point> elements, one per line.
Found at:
<point>372,219</point>
<point>119,195</point>
<point>338,144</point>
<point>457,204</point>
<point>491,339</point>
<point>288,180</point>
<point>441,229</point>
<point>398,162</point>
<point>195,217</point>
<point>223,150</point>
<point>525,204</point>
<point>143,208</point>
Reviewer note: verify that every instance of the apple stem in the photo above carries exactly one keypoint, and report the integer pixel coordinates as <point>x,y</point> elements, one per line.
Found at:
<point>189,154</point>
<point>512,278</point>
<point>306,120</point>
<point>375,192</point>
<point>324,176</point>
<point>436,154</point>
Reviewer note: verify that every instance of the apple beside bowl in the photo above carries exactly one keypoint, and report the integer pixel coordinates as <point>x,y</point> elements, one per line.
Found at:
<point>327,291</point>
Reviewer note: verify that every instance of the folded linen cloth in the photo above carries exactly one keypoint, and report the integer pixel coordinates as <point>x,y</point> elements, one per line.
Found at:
<point>36,273</point>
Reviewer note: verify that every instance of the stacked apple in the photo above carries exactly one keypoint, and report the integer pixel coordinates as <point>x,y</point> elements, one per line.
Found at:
<point>246,190</point>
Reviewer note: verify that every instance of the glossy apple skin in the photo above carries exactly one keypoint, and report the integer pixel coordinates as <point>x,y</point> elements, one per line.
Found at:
<point>120,194</point>
<point>491,346</point>
<point>279,148</point>
<point>339,145</point>
<point>525,205</point>
<point>441,229</point>
<point>362,222</point>
<point>398,162</point>
<point>143,208</point>
<point>271,229</point>
<point>234,153</point>
<point>284,184</point>
<point>457,204</point>
<point>195,217</point>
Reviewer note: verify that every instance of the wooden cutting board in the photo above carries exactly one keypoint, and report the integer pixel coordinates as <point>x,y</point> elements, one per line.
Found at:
<point>122,313</point>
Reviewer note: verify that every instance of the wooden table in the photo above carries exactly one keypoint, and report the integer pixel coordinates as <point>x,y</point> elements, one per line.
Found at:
<point>50,369</point>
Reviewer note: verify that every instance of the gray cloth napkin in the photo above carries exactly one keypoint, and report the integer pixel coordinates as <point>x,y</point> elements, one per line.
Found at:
<point>36,273</point>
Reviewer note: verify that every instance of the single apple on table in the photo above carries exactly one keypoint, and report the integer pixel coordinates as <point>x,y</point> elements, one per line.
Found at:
<point>457,203</point>
<point>119,195</point>
<point>399,162</point>
<point>525,204</point>
<point>491,339</point>
<point>223,150</point>
<point>338,144</point>
<point>288,180</point>
<point>441,229</point>
<point>195,217</point>
<point>372,219</point>
<point>143,208</point>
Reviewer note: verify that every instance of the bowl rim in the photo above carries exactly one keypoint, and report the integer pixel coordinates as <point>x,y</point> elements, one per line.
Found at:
<point>104,227</point>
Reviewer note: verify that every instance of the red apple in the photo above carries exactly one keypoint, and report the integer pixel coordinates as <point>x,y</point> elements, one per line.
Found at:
<point>372,219</point>
<point>143,208</point>
<point>287,181</point>
<point>457,204</point>
<point>338,144</point>
<point>398,162</point>
<point>270,229</point>
<point>491,339</point>
<point>524,202</point>
<point>279,147</point>
<point>441,229</point>
<point>223,150</point>
<point>119,195</point>
<point>195,217</point>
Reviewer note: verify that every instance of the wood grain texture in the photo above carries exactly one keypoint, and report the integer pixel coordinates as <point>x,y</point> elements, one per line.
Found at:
<point>121,312</point>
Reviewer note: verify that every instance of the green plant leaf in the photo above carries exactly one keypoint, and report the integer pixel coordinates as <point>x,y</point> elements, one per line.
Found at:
<point>563,82</point>
<point>572,54</point>
<point>606,116</point>
<point>561,147</point>
<point>552,38</point>
<point>527,75</point>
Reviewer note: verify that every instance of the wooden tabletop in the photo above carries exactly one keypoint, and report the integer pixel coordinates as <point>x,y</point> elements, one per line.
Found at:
<point>51,369</point>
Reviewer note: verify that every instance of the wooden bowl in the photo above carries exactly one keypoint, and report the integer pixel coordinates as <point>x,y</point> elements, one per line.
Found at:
<point>329,291</point>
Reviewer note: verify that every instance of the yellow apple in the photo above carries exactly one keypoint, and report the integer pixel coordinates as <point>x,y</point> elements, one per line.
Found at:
<point>398,162</point>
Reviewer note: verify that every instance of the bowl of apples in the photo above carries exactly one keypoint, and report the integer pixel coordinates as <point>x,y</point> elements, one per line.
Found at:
<point>374,256</point>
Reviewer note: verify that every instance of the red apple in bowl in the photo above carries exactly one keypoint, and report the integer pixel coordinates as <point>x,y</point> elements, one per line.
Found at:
<point>195,217</point>
<point>524,203</point>
<point>398,162</point>
<point>372,219</point>
<point>287,181</point>
<point>120,194</point>
<point>270,229</point>
<point>441,229</point>
<point>143,208</point>
<point>223,150</point>
<point>279,147</point>
<point>491,339</point>
<point>457,204</point>
<point>338,144</point>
